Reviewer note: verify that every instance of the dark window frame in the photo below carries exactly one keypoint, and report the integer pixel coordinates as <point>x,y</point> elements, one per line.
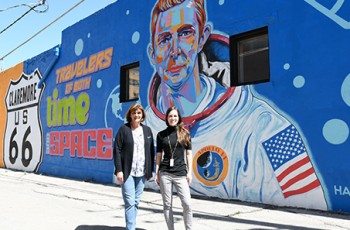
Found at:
<point>235,60</point>
<point>125,82</point>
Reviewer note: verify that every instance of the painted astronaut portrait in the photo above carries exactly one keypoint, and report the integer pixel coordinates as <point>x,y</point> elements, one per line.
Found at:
<point>242,147</point>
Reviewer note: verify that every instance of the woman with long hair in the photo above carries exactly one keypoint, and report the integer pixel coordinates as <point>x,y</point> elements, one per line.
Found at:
<point>174,166</point>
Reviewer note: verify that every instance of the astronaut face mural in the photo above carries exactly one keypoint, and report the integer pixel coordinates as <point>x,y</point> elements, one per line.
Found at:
<point>177,39</point>
<point>243,148</point>
<point>175,45</point>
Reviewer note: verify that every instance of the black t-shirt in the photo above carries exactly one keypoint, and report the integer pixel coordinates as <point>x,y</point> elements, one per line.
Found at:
<point>178,150</point>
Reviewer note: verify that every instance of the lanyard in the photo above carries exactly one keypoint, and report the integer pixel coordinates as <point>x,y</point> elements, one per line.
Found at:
<point>172,151</point>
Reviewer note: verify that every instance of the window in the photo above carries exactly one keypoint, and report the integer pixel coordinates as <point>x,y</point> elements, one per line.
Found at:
<point>130,82</point>
<point>249,57</point>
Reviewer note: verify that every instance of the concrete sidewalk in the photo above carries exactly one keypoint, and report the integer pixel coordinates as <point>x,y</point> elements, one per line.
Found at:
<point>31,201</point>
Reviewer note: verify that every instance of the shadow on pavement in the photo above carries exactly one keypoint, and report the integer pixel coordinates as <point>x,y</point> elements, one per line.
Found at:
<point>231,220</point>
<point>330,214</point>
<point>102,227</point>
<point>296,210</point>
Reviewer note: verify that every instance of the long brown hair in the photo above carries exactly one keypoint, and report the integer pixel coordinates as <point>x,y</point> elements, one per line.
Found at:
<point>182,133</point>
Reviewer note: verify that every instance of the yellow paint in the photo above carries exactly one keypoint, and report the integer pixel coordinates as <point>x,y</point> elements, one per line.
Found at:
<point>6,76</point>
<point>85,66</point>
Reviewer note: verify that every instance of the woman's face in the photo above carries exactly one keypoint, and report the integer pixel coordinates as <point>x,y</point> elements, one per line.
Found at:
<point>173,118</point>
<point>136,116</point>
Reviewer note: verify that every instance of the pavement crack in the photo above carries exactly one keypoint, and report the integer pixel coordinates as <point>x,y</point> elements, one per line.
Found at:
<point>64,196</point>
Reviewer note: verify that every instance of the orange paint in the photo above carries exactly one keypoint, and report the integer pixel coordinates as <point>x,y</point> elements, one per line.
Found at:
<point>14,73</point>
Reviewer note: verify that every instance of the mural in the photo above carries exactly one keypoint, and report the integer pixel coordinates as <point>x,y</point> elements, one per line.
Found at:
<point>283,142</point>
<point>23,133</point>
<point>254,153</point>
<point>75,135</point>
<point>334,12</point>
<point>6,77</point>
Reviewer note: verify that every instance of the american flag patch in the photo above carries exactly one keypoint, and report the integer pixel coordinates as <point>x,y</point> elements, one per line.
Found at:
<point>292,166</point>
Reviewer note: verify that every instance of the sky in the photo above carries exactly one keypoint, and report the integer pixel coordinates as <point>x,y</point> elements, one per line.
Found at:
<point>34,22</point>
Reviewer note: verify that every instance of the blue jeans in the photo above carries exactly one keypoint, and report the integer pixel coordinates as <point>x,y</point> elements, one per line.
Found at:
<point>132,190</point>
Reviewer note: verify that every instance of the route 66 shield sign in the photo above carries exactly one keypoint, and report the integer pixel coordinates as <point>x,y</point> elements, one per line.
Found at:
<point>23,141</point>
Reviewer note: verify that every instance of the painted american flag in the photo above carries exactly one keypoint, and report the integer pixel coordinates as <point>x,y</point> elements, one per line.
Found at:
<point>289,159</point>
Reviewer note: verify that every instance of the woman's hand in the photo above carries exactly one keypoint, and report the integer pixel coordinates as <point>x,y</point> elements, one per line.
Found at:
<point>156,178</point>
<point>120,177</point>
<point>189,178</point>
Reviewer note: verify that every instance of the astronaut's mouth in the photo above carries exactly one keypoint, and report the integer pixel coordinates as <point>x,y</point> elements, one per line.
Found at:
<point>175,68</point>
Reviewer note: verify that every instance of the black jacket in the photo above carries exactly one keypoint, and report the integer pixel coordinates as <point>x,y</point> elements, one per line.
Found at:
<point>124,148</point>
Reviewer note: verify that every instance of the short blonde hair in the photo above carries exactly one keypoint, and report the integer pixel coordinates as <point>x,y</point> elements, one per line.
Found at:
<point>133,108</point>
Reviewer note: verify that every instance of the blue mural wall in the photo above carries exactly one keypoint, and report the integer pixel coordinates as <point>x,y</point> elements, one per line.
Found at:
<point>242,136</point>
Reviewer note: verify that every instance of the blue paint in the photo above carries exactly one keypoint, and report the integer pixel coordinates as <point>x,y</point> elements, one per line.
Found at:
<point>345,90</point>
<point>299,81</point>
<point>336,131</point>
<point>79,47</point>
<point>135,37</point>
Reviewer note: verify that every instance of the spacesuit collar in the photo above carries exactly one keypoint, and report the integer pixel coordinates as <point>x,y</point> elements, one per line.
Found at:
<point>188,121</point>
